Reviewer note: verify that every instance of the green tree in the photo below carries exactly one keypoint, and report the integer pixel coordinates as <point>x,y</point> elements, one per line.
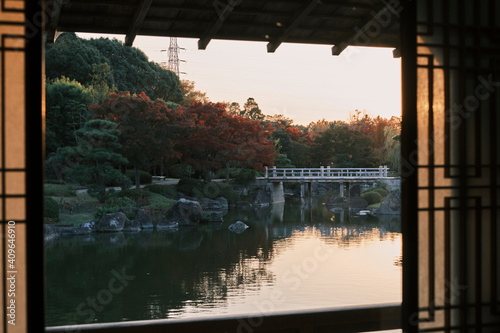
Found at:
<point>294,144</point>
<point>92,161</point>
<point>342,147</point>
<point>283,142</point>
<point>319,126</point>
<point>133,72</point>
<point>278,120</point>
<point>233,108</point>
<point>282,161</point>
<point>251,110</point>
<point>72,57</point>
<point>66,111</point>
<point>102,82</point>
<point>109,64</point>
<point>190,94</point>
<point>392,148</point>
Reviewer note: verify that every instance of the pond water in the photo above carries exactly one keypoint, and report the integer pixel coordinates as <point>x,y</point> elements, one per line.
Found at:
<point>294,256</point>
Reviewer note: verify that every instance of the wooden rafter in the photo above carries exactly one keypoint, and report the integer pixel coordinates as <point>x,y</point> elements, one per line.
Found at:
<point>271,21</point>
<point>139,17</point>
<point>54,12</point>
<point>361,28</point>
<point>299,15</point>
<point>222,14</point>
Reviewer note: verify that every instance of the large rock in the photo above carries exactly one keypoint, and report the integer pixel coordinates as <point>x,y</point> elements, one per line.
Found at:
<point>223,203</point>
<point>145,219</point>
<point>391,204</point>
<point>242,205</point>
<point>261,198</point>
<point>212,210</point>
<point>49,232</point>
<point>358,203</point>
<point>132,226</point>
<point>90,225</point>
<point>185,212</point>
<point>112,222</point>
<point>336,202</point>
<point>75,231</point>
<point>238,227</point>
<point>355,191</point>
<point>167,225</point>
<point>323,188</point>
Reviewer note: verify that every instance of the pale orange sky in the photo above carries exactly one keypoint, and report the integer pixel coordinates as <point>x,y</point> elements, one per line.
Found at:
<point>302,82</point>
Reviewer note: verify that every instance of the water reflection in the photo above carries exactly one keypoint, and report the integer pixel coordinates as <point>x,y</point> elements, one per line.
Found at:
<point>302,252</point>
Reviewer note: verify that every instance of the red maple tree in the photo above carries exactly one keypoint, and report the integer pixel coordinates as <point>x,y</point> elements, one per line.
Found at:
<point>149,129</point>
<point>218,139</point>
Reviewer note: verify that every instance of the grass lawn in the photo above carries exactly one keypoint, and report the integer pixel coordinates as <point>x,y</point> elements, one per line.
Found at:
<point>374,206</point>
<point>77,208</point>
<point>60,190</point>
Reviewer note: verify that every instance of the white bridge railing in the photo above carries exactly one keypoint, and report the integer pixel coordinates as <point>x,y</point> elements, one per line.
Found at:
<point>326,173</point>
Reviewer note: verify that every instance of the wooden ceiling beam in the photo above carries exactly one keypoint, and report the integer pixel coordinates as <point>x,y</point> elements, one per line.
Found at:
<point>53,10</point>
<point>299,16</point>
<point>358,33</point>
<point>222,14</point>
<point>139,17</point>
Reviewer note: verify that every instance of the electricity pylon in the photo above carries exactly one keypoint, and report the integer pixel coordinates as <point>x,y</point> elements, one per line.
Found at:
<point>173,56</point>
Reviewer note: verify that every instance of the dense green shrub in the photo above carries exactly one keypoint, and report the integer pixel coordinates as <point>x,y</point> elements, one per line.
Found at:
<point>181,171</point>
<point>140,197</point>
<point>99,192</point>
<point>159,202</point>
<point>51,208</point>
<point>106,209</point>
<point>191,187</point>
<point>382,191</point>
<point>121,201</point>
<point>114,203</point>
<point>226,191</point>
<point>144,176</point>
<point>245,176</point>
<point>59,190</point>
<point>124,182</point>
<point>162,189</point>
<point>372,197</point>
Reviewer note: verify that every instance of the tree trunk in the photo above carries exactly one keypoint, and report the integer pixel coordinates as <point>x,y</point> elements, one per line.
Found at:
<point>208,174</point>
<point>137,178</point>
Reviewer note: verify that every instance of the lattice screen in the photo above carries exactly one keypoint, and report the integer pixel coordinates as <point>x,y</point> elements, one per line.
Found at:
<point>458,121</point>
<point>13,167</point>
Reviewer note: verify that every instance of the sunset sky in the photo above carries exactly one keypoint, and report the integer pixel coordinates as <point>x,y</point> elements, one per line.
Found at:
<point>302,82</point>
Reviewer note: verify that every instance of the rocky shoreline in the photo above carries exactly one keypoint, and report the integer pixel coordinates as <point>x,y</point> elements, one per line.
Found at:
<point>185,212</point>
<point>188,211</point>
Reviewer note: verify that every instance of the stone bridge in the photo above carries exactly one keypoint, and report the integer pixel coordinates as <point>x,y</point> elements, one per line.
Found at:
<point>306,176</point>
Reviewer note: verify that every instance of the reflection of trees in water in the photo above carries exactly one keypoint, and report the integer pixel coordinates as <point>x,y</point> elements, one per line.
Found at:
<point>189,267</point>
<point>354,234</point>
<point>363,228</point>
<point>200,266</point>
<point>192,267</point>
